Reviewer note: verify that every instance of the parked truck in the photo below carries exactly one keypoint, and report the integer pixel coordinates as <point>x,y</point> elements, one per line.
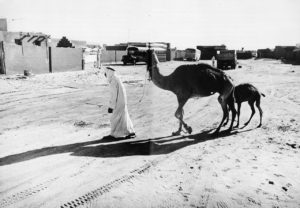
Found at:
<point>134,55</point>
<point>226,58</point>
<point>192,54</point>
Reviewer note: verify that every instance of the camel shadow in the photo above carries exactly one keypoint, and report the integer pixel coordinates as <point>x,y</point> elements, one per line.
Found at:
<point>117,148</point>
<point>152,146</point>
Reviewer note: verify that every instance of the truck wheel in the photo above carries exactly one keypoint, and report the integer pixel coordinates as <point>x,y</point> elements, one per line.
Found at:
<point>233,66</point>
<point>124,62</point>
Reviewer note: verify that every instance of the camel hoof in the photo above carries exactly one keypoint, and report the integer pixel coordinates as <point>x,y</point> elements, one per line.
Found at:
<point>227,131</point>
<point>176,133</point>
<point>236,126</point>
<point>215,134</point>
<point>190,130</point>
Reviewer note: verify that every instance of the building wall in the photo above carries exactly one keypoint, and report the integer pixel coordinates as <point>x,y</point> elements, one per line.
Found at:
<point>79,43</point>
<point>179,54</point>
<point>161,55</point>
<point>265,53</point>
<point>33,58</point>
<point>111,56</point>
<point>173,53</point>
<point>3,24</point>
<point>66,59</point>
<point>1,36</point>
<point>90,58</point>
<point>244,54</point>
<point>36,59</point>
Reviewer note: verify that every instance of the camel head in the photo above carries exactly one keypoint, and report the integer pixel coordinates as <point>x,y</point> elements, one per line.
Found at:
<point>151,61</point>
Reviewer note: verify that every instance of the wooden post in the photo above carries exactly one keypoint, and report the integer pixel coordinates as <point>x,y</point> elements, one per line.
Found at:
<point>50,60</point>
<point>168,55</point>
<point>98,59</point>
<point>2,58</point>
<point>83,61</point>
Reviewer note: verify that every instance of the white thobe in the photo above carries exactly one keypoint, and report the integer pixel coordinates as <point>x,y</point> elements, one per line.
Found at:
<point>121,124</point>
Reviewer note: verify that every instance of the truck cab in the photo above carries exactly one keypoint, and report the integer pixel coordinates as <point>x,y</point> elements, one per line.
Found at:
<point>134,55</point>
<point>226,58</point>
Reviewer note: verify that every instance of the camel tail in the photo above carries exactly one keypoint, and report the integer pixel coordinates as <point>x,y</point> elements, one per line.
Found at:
<point>263,94</point>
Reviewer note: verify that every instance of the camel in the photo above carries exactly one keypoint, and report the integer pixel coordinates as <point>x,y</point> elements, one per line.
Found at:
<point>197,80</point>
<point>247,92</point>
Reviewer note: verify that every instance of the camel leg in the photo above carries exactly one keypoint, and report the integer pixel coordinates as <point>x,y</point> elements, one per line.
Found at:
<point>260,112</point>
<point>253,112</point>
<point>230,103</point>
<point>238,114</point>
<point>225,112</point>
<point>187,127</point>
<point>226,121</point>
<point>227,98</point>
<point>179,116</point>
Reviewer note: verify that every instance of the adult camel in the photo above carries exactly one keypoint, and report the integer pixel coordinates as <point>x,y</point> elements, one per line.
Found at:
<point>198,80</point>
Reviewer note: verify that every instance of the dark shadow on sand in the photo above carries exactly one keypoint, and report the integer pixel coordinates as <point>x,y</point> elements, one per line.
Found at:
<point>118,148</point>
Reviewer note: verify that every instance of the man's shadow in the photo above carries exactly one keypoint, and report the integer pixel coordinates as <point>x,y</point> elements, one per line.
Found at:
<point>117,148</point>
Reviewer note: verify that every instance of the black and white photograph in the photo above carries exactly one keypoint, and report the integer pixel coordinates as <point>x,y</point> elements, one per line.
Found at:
<point>149,104</point>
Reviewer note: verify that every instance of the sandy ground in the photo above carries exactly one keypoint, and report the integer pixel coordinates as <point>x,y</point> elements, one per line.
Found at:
<point>51,153</point>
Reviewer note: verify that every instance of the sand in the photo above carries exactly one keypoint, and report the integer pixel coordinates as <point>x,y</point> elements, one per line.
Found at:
<point>52,155</point>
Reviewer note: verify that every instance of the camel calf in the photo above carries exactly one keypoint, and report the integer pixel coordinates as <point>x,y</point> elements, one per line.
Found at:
<point>247,92</point>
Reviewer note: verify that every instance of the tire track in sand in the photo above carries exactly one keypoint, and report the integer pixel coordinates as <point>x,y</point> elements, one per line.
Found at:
<point>93,194</point>
<point>26,193</point>
<point>29,192</point>
<point>87,198</point>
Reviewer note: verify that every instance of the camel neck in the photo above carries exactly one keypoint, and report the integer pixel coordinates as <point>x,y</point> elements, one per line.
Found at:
<point>158,79</point>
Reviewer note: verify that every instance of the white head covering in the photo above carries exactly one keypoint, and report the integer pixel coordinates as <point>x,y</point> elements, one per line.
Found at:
<point>109,73</point>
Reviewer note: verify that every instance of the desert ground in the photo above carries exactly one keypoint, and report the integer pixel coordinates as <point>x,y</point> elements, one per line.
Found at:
<point>52,153</point>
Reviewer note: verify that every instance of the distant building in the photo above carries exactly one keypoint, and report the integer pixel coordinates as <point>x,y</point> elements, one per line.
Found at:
<point>93,45</point>
<point>265,53</point>
<point>244,54</point>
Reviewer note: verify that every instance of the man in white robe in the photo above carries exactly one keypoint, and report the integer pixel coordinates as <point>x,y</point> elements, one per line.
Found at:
<point>121,125</point>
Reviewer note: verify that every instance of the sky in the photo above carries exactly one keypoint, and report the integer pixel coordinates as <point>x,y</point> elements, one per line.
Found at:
<point>251,24</point>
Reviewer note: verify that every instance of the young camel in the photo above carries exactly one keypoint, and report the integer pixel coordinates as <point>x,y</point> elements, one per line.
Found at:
<point>247,92</point>
<point>189,81</point>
